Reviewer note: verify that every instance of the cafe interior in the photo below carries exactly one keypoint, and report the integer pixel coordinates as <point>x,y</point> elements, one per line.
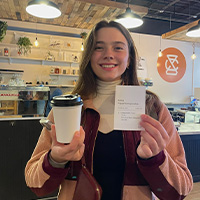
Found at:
<point>165,33</point>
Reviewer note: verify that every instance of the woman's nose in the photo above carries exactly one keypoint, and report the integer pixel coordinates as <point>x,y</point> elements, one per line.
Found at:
<point>108,54</point>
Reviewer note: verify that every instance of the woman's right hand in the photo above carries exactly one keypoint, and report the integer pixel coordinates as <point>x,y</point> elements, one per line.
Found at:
<point>71,152</point>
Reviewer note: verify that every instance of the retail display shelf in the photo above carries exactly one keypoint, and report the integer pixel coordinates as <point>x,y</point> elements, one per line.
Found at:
<point>66,49</point>
<point>62,86</point>
<point>27,60</point>
<point>56,85</point>
<point>68,75</point>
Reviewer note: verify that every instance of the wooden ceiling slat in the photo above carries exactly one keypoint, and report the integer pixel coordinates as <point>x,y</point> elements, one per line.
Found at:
<point>22,9</point>
<point>81,7</point>
<point>64,7</point>
<point>75,13</point>
<point>114,14</point>
<point>11,7</point>
<point>69,7</point>
<point>16,3</point>
<point>64,20</point>
<point>180,33</point>
<point>7,10</point>
<point>137,9</point>
<point>87,13</point>
<point>98,15</point>
<point>61,1</point>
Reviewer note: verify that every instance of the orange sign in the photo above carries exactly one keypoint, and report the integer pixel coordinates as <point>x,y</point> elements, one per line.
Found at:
<point>171,65</point>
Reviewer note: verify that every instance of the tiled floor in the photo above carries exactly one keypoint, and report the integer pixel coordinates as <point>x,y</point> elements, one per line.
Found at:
<point>195,194</point>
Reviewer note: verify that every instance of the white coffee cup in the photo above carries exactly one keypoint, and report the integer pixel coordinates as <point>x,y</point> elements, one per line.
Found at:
<point>67,116</point>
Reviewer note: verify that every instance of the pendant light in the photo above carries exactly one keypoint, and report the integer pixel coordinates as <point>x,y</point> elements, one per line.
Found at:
<point>82,47</point>
<point>193,55</point>
<point>194,31</point>
<point>43,9</point>
<point>160,52</point>
<point>36,43</point>
<point>129,19</point>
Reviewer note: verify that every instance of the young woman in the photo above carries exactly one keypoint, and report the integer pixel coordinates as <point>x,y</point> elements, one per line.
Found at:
<point>129,165</point>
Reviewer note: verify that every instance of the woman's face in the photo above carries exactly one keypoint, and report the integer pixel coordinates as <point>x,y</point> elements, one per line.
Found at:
<point>111,54</point>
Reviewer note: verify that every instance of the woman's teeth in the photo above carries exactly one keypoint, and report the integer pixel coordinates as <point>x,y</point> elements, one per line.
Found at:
<point>107,66</point>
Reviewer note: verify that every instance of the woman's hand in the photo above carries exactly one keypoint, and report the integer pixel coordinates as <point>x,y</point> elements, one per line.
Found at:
<point>71,152</point>
<point>154,138</point>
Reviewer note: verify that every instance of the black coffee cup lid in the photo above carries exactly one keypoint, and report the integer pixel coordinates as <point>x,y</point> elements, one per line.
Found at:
<point>67,100</point>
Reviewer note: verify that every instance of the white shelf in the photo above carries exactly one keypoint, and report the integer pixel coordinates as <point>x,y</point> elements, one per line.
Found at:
<point>68,86</point>
<point>57,85</point>
<point>24,60</point>
<point>68,75</point>
<point>49,48</point>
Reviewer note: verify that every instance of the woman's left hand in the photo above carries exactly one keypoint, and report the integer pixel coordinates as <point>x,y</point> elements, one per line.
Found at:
<point>154,137</point>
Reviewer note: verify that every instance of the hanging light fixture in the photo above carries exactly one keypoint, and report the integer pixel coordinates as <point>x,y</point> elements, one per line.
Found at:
<point>193,55</point>
<point>36,43</point>
<point>43,9</point>
<point>82,47</point>
<point>129,19</point>
<point>194,31</point>
<point>160,52</point>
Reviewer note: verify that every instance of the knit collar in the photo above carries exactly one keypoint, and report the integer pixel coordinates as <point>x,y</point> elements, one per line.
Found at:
<point>105,88</point>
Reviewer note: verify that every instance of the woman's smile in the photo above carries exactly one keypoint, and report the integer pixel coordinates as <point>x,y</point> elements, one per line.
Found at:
<point>108,66</point>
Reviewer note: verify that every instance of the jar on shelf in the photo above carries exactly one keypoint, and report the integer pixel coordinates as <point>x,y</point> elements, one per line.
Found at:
<point>57,70</point>
<point>6,52</point>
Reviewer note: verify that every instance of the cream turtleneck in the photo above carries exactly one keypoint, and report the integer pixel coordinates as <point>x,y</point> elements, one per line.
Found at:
<point>104,102</point>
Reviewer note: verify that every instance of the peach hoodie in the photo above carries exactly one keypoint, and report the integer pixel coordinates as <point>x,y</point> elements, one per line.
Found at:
<point>166,175</point>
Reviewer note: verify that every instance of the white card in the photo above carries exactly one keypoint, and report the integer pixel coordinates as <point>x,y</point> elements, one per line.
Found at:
<point>129,105</point>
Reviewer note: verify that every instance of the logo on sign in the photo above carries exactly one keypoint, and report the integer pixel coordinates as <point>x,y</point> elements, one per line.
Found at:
<point>172,65</point>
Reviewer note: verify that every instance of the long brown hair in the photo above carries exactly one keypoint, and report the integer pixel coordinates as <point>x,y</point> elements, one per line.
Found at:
<point>87,83</point>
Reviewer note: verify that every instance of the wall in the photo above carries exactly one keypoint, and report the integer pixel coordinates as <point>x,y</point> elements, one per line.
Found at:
<point>179,92</point>
<point>34,71</point>
<point>148,47</point>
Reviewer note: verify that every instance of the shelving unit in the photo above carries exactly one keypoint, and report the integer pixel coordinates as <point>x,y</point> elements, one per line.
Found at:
<point>24,60</point>
<point>67,75</point>
<point>11,45</point>
<point>61,86</point>
<point>66,59</point>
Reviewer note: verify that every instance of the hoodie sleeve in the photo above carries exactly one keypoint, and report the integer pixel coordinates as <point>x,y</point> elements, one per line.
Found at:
<point>40,176</point>
<point>167,173</point>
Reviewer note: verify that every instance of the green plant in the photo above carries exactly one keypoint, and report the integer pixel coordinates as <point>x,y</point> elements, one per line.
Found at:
<point>83,35</point>
<point>24,45</point>
<point>3,29</point>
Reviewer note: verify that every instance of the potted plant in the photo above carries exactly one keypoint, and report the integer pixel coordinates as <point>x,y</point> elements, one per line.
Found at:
<point>3,29</point>
<point>83,35</point>
<point>24,45</point>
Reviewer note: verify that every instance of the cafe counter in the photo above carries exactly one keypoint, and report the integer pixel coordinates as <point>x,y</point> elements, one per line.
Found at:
<point>21,108</point>
<point>23,101</point>
<point>190,136</point>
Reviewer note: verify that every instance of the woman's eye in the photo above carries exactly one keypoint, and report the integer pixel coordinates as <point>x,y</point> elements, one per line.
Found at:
<point>98,48</point>
<point>119,48</point>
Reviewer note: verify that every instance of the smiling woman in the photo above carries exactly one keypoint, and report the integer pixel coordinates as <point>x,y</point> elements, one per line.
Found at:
<point>126,164</point>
